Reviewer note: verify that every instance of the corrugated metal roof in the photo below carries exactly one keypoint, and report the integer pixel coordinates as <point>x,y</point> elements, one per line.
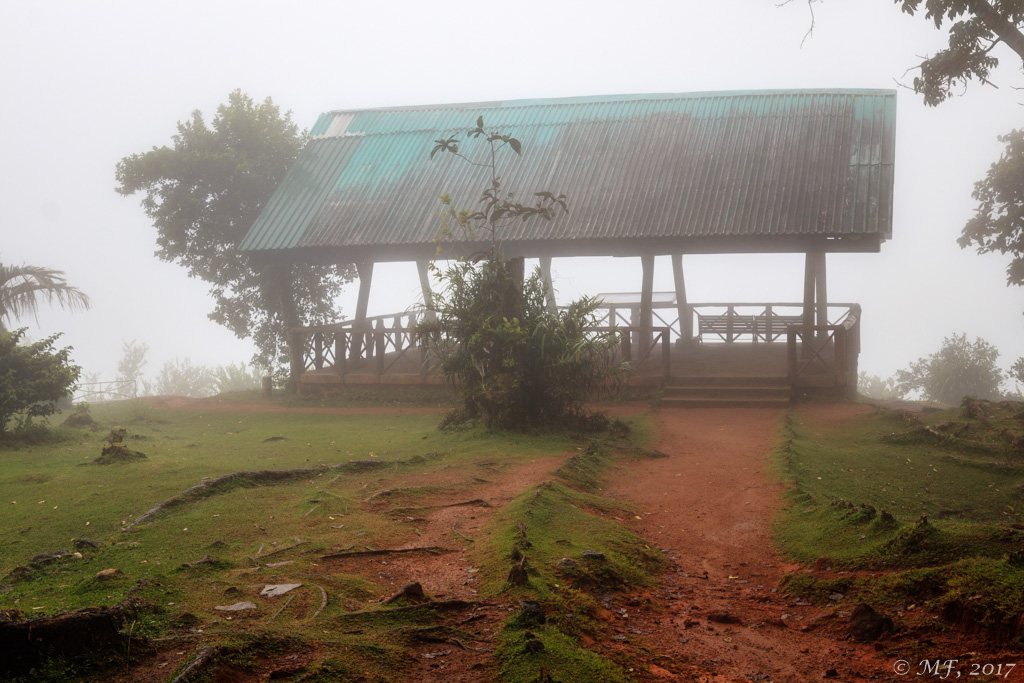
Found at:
<point>672,170</point>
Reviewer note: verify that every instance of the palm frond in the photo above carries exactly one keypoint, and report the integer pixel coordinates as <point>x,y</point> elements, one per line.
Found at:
<point>23,287</point>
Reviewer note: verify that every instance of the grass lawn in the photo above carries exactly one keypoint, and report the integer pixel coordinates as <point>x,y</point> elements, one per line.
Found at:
<point>184,557</point>
<point>937,498</point>
<point>53,495</point>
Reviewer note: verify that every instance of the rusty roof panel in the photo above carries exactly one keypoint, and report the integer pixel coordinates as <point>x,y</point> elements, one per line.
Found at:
<point>675,168</point>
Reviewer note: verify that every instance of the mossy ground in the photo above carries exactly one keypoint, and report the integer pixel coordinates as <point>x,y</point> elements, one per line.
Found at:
<point>888,491</point>
<point>53,495</point>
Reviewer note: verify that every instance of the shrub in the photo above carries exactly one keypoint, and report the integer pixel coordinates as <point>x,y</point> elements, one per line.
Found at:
<point>33,377</point>
<point>517,363</point>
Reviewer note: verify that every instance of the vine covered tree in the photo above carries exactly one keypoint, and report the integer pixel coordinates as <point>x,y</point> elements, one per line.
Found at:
<point>23,287</point>
<point>203,194</point>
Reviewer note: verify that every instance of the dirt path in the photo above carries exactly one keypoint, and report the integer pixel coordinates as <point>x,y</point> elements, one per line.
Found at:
<point>719,615</point>
<point>216,404</point>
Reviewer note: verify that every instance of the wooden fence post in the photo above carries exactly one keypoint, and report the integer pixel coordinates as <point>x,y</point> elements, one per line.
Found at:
<point>318,350</point>
<point>378,339</point>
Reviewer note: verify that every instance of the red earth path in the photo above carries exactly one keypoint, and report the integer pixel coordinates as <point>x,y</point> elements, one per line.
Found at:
<point>719,614</point>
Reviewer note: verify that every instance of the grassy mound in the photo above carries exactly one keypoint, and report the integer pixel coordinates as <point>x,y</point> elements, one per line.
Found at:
<point>935,500</point>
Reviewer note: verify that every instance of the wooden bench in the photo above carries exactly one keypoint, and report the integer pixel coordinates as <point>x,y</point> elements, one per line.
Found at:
<point>770,326</point>
<point>726,326</point>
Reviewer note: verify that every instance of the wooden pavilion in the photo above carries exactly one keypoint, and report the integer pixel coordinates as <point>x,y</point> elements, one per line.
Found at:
<point>781,171</point>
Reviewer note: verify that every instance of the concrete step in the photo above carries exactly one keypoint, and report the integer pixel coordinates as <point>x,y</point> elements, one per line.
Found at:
<point>670,402</point>
<point>752,392</point>
<point>728,380</point>
<point>727,391</point>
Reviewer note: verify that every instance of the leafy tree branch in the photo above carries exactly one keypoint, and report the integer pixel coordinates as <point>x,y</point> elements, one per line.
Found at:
<point>203,194</point>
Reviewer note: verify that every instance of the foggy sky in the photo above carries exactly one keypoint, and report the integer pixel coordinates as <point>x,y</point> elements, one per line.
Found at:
<point>85,84</point>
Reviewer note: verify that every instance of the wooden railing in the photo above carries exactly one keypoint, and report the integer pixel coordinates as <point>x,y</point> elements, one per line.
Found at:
<point>720,322</point>
<point>103,392</point>
<point>635,351</point>
<point>383,342</point>
<point>825,355</point>
<point>380,343</point>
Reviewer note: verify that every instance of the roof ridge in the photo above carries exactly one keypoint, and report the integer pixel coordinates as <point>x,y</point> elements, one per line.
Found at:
<point>611,99</point>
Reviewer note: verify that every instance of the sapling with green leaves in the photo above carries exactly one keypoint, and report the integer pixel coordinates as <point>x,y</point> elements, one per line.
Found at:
<point>518,364</point>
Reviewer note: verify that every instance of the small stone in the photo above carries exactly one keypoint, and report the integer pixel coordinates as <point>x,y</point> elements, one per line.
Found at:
<point>237,607</point>
<point>867,625</point>
<point>836,596</point>
<point>46,558</point>
<point>18,573</point>
<point>532,644</point>
<point>85,543</point>
<point>187,620</point>
<point>274,590</point>
<point>531,612</point>
<point>567,563</point>
<point>410,591</point>
<point>593,556</point>
<point>108,574</point>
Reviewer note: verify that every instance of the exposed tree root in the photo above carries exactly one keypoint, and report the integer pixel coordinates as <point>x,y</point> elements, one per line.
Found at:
<point>257,556</point>
<point>390,492</point>
<point>408,512</point>
<point>285,605</point>
<point>462,535</point>
<point>323,602</point>
<point>431,550</point>
<point>227,482</point>
<point>206,656</point>
<point>438,634</point>
<point>432,606</point>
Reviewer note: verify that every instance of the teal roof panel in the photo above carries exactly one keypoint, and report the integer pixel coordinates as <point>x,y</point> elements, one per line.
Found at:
<point>671,168</point>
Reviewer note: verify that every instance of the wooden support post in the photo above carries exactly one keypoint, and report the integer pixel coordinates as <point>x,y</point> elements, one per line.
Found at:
<point>791,354</point>
<point>340,347</point>
<point>646,300</point>
<point>685,316</point>
<point>318,350</point>
<point>808,313</point>
<point>549,289</point>
<point>666,356</point>
<point>378,344</point>
<point>428,294</point>
<point>840,360</point>
<point>365,270</point>
<point>821,294</point>
<point>808,290</point>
